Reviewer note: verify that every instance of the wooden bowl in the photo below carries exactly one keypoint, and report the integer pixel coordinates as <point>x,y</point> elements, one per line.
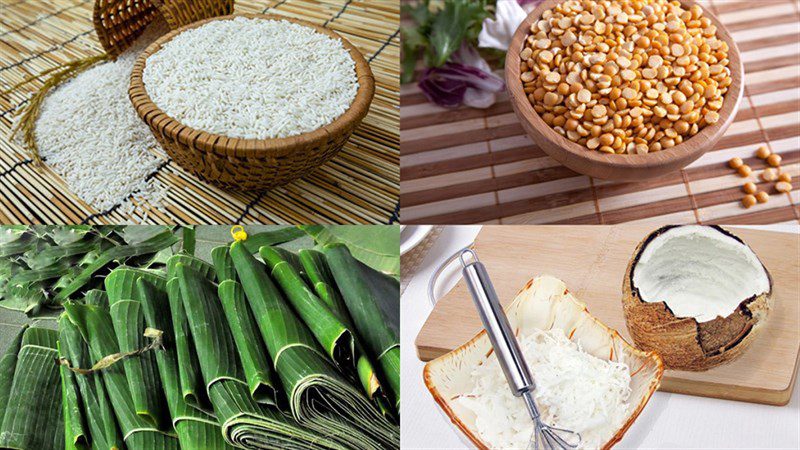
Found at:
<point>544,303</point>
<point>251,164</point>
<point>622,167</point>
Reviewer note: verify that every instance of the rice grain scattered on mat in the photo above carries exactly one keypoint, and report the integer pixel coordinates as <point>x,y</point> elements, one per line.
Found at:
<point>252,78</point>
<point>90,135</point>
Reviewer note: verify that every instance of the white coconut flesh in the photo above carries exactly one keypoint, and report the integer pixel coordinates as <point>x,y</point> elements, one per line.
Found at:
<point>699,272</point>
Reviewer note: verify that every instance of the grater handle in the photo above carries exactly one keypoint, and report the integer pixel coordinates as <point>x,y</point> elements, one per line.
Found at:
<point>506,347</point>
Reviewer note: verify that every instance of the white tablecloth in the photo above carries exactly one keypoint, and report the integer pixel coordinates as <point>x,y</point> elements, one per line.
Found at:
<point>668,420</point>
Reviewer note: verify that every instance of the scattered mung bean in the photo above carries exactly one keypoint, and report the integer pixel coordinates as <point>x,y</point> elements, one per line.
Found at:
<point>651,73</point>
<point>735,163</point>
<point>763,152</point>
<point>769,174</point>
<point>744,170</point>
<point>783,186</point>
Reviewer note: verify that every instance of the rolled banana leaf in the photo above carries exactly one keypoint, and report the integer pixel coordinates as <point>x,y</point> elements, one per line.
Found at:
<point>252,352</point>
<point>362,303</point>
<point>329,331</point>
<point>319,275</point>
<point>97,330</point>
<point>193,388</point>
<point>89,423</point>
<point>75,428</point>
<point>319,396</point>
<point>196,430</point>
<point>189,240</point>
<point>33,416</point>
<point>127,316</point>
<point>8,364</point>
<point>244,422</point>
<point>275,237</point>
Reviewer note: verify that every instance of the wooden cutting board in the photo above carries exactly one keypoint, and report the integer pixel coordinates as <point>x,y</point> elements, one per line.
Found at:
<point>592,261</point>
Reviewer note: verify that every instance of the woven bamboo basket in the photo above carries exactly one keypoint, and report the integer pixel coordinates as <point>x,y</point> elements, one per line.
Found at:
<point>251,164</point>
<point>119,22</point>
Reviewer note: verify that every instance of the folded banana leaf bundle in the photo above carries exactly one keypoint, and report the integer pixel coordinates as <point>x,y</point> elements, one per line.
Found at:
<point>30,392</point>
<point>290,353</point>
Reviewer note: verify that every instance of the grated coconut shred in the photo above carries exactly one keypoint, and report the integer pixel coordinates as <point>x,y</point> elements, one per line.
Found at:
<point>90,135</point>
<point>574,390</point>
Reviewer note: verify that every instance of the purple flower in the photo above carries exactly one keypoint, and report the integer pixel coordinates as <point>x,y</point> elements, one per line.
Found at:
<point>464,80</point>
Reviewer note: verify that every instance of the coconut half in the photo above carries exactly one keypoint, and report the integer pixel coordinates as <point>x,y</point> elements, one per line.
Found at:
<point>697,295</point>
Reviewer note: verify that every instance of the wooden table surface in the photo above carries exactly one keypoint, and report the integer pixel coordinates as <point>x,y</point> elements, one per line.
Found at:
<point>479,166</point>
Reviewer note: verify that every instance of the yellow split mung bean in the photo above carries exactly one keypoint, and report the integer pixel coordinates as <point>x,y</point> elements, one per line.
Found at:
<point>650,73</point>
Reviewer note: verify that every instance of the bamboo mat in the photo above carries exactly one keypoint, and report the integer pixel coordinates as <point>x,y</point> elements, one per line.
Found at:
<point>474,166</point>
<point>360,185</point>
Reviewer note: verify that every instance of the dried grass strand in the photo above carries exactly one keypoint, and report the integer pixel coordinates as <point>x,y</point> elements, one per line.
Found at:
<point>30,113</point>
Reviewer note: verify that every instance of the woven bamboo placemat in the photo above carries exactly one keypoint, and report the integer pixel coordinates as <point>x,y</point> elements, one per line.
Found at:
<point>360,185</point>
<point>475,166</point>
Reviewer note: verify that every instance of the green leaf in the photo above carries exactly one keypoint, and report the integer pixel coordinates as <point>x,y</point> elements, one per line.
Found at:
<point>451,25</point>
<point>420,12</point>
<point>320,276</point>
<point>97,329</point>
<point>279,236</point>
<point>190,381</point>
<point>141,372</point>
<point>377,246</point>
<point>35,396</point>
<point>326,327</point>
<point>145,242</point>
<point>8,364</point>
<point>189,240</point>
<point>96,411</point>
<point>363,304</point>
<point>305,372</point>
<point>413,42</point>
<point>196,430</point>
<point>243,419</point>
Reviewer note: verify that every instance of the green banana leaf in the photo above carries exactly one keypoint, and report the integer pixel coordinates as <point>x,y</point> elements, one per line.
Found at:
<point>96,327</point>
<point>142,244</point>
<point>191,383</point>
<point>75,435</point>
<point>141,372</point>
<point>376,246</point>
<point>363,305</point>
<point>196,430</point>
<point>319,275</point>
<point>94,421</point>
<point>252,351</point>
<point>35,395</point>
<point>8,364</point>
<point>320,398</point>
<point>257,240</point>
<point>329,331</point>
<point>43,266</point>
<point>244,421</point>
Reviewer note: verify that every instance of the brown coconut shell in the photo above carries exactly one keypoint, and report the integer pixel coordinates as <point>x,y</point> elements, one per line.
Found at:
<point>684,343</point>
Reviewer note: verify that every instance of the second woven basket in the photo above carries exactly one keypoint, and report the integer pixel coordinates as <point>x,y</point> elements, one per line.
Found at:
<point>251,164</point>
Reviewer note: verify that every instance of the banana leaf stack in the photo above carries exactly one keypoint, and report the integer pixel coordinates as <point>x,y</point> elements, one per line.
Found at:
<point>180,353</point>
<point>44,266</point>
